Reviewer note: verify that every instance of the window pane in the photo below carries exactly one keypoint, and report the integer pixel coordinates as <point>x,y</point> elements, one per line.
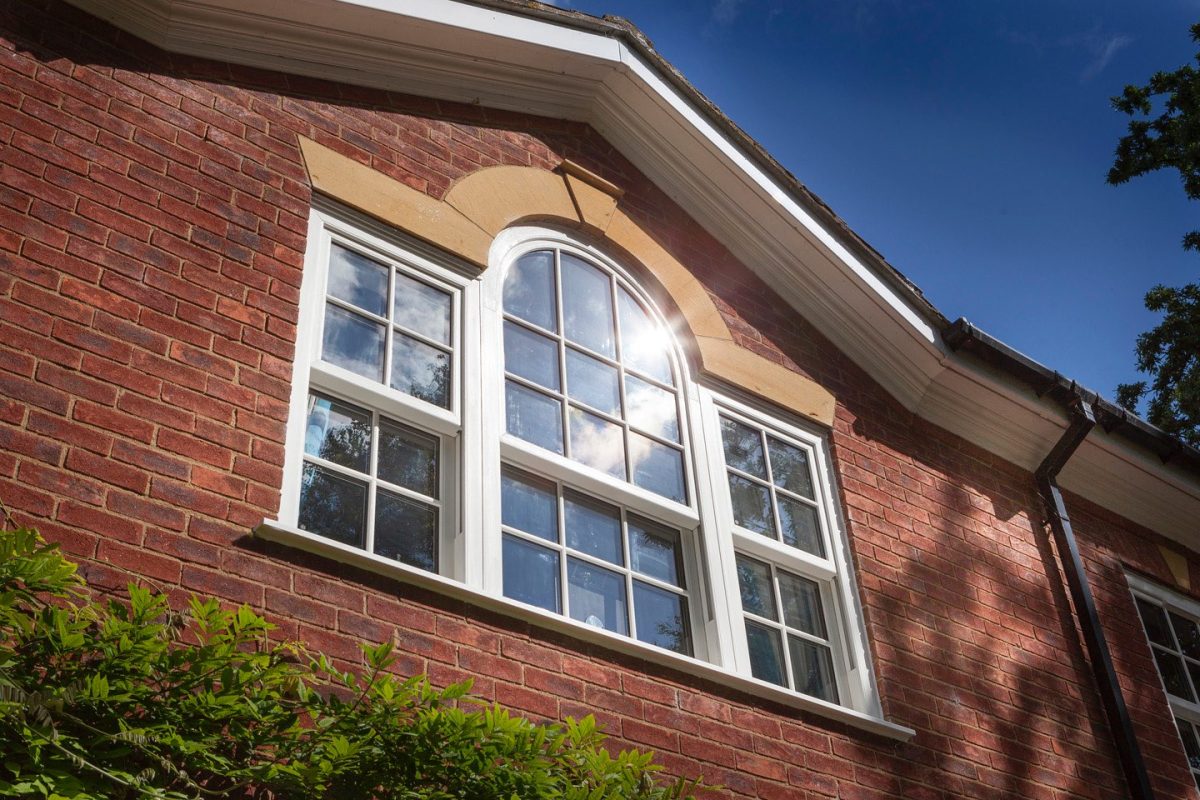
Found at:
<point>587,305</point>
<point>529,505</point>
<point>801,526</point>
<point>657,467</point>
<point>593,382</point>
<point>752,506</point>
<point>533,416</point>
<point>529,290</point>
<point>654,551</point>
<point>422,308</point>
<point>1155,621</point>
<point>758,595</point>
<point>353,342</point>
<point>597,596</point>
<point>661,618</point>
<point>358,280</point>
<point>421,370</point>
<point>406,530</point>
<point>1187,732</point>
<point>597,443</point>
<point>643,344</point>
<point>812,669</point>
<point>593,528</point>
<point>408,458</point>
<point>789,468</point>
<point>1170,667</point>
<point>333,505</point>
<point>338,432</point>
<point>743,448</point>
<point>801,600</point>
<point>532,356</point>
<point>1187,634</point>
<point>766,653</point>
<point>652,409</point>
<point>531,574</point>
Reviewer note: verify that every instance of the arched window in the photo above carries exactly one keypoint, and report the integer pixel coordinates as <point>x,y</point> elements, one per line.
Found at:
<point>531,438</point>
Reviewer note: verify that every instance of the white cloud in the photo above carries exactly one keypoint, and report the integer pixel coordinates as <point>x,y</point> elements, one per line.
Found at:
<point>725,11</point>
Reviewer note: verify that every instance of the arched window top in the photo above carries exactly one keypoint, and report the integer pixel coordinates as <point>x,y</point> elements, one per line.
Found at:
<point>590,369</point>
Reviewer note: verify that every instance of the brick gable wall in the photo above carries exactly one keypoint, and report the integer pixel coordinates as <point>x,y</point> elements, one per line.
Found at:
<point>152,224</point>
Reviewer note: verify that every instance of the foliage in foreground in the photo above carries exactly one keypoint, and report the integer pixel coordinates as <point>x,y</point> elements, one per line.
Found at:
<point>131,700</point>
<point>1170,353</point>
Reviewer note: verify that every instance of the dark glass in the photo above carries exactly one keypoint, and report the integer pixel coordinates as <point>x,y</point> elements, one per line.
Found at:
<point>529,290</point>
<point>1155,621</point>
<point>529,504</point>
<point>752,506</point>
<point>593,382</point>
<point>587,305</point>
<point>812,669</point>
<point>531,356</point>
<point>1187,634</point>
<point>421,370</point>
<point>766,653</point>
<point>743,448</point>
<point>1174,678</point>
<point>597,596</point>
<point>358,280</point>
<point>593,528</point>
<point>598,443</point>
<point>657,467</point>
<point>654,551</point>
<point>643,343</point>
<point>1187,732</point>
<point>533,416</point>
<point>338,432</point>
<point>789,468</point>
<point>408,458</point>
<point>406,530</point>
<point>353,342</point>
<point>333,506</point>
<point>650,408</point>
<point>661,618</point>
<point>801,526</point>
<point>801,599</point>
<point>422,308</point>
<point>531,574</point>
<point>758,595</point>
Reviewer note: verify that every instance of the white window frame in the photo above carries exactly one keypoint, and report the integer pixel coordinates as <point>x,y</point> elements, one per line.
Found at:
<point>478,445</point>
<point>1170,600</point>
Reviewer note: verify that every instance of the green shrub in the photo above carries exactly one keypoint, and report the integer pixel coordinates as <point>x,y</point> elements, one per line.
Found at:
<point>131,699</point>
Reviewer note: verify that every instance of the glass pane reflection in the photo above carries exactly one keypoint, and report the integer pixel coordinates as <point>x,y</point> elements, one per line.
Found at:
<point>754,581</point>
<point>657,467</point>
<point>529,504</point>
<point>406,530</point>
<point>421,370</point>
<point>812,669</point>
<point>597,596</point>
<point>643,344</point>
<point>652,409</point>
<point>801,526</point>
<point>752,506</point>
<point>593,528</point>
<point>333,505</point>
<point>533,416</point>
<point>661,618</point>
<point>408,458</point>
<point>743,448</point>
<point>789,468</point>
<point>593,382</point>
<point>353,342</point>
<point>766,653</point>
<point>801,600</point>
<point>530,355</point>
<point>654,551</point>
<point>529,290</point>
<point>422,308</point>
<point>531,574</point>
<point>358,280</point>
<point>597,443</point>
<point>587,305</point>
<point>338,432</point>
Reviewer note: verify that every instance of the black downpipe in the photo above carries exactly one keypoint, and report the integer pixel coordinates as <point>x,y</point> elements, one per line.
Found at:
<point>1085,607</point>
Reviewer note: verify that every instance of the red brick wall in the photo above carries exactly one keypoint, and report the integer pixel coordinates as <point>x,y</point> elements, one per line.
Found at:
<point>152,225</point>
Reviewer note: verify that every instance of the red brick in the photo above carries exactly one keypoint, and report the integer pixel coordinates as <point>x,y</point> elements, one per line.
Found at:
<point>139,560</point>
<point>209,583</point>
<point>155,513</point>
<point>194,448</point>
<point>108,470</point>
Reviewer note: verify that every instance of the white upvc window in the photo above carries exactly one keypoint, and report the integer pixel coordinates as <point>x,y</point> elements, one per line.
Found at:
<point>532,434</point>
<point>1171,622</point>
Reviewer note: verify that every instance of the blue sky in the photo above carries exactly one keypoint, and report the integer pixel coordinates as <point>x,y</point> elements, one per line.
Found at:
<point>966,140</point>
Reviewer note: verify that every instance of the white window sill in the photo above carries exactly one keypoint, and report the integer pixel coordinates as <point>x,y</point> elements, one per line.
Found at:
<point>274,531</point>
